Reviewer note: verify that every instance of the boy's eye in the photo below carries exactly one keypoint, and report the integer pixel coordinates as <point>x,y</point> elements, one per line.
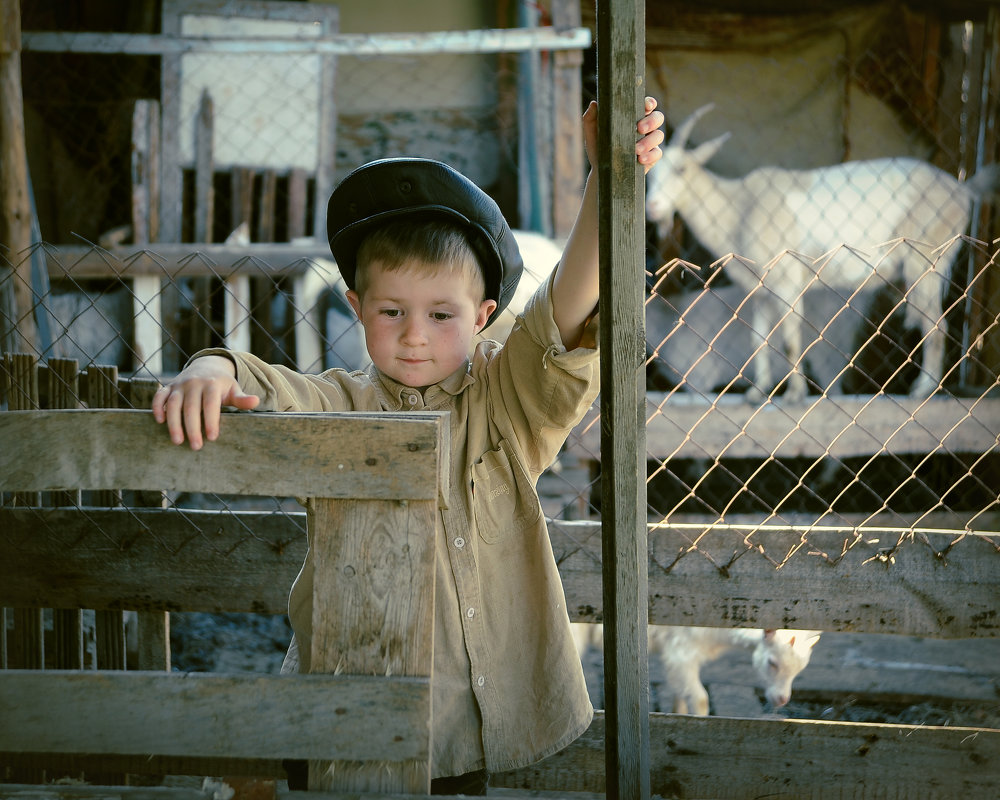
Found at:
<point>441,316</point>
<point>391,312</point>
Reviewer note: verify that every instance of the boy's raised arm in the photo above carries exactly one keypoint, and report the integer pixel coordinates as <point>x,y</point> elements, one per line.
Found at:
<point>575,289</point>
<point>195,398</point>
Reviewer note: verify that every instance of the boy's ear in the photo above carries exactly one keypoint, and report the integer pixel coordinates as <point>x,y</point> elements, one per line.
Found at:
<point>486,308</point>
<point>355,301</point>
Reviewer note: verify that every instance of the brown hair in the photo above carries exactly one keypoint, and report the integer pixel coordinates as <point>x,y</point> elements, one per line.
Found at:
<point>432,245</point>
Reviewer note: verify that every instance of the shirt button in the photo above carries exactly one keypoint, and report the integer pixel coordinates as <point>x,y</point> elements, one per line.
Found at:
<point>470,613</point>
<point>412,399</point>
<point>480,681</point>
<point>459,542</point>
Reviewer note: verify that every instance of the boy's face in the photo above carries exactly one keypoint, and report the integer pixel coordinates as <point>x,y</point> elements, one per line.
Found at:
<point>419,324</point>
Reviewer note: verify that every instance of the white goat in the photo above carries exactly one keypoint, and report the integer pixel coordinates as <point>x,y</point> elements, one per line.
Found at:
<point>790,228</point>
<point>778,656</point>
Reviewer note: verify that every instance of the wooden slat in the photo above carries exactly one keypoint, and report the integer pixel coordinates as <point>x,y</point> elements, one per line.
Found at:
<point>203,561</point>
<point>204,164</point>
<point>680,426</point>
<point>150,559</point>
<point>297,180</point>
<point>786,758</point>
<point>373,616</point>
<point>727,582</point>
<point>67,622</point>
<point>621,92</point>
<point>265,205</point>
<point>173,261</point>
<point>319,455</point>
<point>206,715</point>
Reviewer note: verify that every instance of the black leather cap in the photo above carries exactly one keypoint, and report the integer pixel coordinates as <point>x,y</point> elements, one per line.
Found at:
<point>390,188</point>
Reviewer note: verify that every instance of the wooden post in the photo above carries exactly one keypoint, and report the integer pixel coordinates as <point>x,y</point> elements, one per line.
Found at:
<point>15,206</point>
<point>204,205</point>
<point>621,93</point>
<point>67,623</point>
<point>568,156</point>
<point>102,392</point>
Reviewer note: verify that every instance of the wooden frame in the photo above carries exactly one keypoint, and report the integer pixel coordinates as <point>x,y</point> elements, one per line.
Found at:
<point>366,474</point>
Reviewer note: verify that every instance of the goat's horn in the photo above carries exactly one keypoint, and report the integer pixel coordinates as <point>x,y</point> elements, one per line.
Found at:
<point>683,131</point>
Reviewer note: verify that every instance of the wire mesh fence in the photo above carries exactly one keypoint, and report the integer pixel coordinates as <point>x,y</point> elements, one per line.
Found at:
<point>835,394</point>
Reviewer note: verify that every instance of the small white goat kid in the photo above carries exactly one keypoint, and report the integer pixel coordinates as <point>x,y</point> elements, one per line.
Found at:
<point>778,656</point>
<point>789,228</point>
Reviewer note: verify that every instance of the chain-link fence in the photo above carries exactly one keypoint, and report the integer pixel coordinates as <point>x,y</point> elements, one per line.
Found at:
<point>820,379</point>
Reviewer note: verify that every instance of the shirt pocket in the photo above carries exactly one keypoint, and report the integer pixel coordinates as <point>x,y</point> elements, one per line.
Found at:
<point>504,499</point>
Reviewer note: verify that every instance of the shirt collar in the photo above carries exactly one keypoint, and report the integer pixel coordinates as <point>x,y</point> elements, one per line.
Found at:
<point>396,394</point>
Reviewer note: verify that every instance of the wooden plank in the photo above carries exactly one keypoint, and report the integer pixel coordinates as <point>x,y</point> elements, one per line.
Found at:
<point>309,345</point>
<point>102,392</point>
<point>567,139</point>
<point>786,758</point>
<point>297,179</point>
<point>148,320</point>
<point>15,205</point>
<point>207,715</point>
<point>246,561</point>
<point>237,314</point>
<point>347,455</point>
<point>373,614</point>
<point>67,622</point>
<point>266,200</point>
<point>150,559</point>
<point>621,94</point>
<point>499,40</point>
<point>936,584</point>
<point>182,260</point>
<point>680,426</point>
<point>204,169</point>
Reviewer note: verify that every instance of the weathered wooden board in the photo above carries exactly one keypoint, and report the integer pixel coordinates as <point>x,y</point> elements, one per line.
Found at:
<point>739,759</point>
<point>373,614</point>
<point>203,561</point>
<point>149,559</point>
<point>204,715</point>
<point>345,455</point>
<point>731,578</point>
<point>682,426</point>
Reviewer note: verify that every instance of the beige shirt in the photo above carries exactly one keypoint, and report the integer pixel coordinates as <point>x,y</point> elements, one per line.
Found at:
<point>508,687</point>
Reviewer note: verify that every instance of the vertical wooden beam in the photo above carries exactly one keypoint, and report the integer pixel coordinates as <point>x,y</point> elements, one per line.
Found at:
<point>204,192</point>
<point>67,623</point>
<point>297,181</point>
<point>326,137</point>
<point>146,289</point>
<point>29,627</point>
<point>568,156</point>
<point>363,602</point>
<point>15,205</point>
<point>102,392</point>
<point>621,92</point>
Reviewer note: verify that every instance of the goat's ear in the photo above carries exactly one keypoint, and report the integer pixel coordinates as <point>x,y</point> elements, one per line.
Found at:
<point>769,634</point>
<point>704,152</point>
<point>811,641</point>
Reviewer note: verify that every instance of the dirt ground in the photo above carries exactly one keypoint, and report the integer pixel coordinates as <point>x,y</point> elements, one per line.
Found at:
<point>851,677</point>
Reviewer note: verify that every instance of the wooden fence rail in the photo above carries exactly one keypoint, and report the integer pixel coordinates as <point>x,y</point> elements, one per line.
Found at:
<point>395,464</point>
<point>936,583</point>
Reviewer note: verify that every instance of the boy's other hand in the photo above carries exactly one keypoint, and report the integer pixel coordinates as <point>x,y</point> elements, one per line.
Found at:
<point>649,130</point>
<point>194,399</point>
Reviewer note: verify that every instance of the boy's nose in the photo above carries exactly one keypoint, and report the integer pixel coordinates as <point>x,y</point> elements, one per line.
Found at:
<point>414,331</point>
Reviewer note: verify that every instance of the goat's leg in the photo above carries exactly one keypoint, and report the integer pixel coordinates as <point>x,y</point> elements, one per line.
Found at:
<point>689,695</point>
<point>759,366</point>
<point>791,337</point>
<point>924,308</point>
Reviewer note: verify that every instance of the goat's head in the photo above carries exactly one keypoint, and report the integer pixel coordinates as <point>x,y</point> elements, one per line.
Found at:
<point>668,181</point>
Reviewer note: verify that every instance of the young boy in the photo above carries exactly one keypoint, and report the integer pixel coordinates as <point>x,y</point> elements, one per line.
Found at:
<point>430,262</point>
